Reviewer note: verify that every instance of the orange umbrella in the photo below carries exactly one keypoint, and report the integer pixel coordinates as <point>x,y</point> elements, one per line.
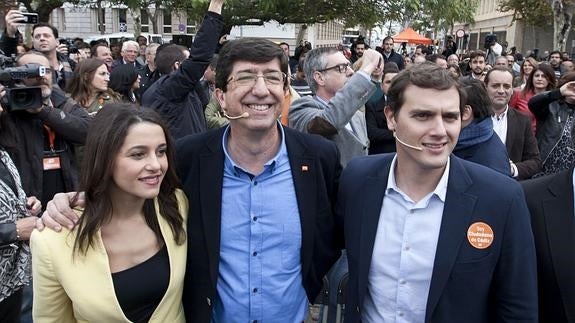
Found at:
<point>411,37</point>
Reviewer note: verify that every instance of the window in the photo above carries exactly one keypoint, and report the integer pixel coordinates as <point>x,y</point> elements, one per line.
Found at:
<point>101,14</point>
<point>122,23</point>
<point>167,21</point>
<point>144,20</point>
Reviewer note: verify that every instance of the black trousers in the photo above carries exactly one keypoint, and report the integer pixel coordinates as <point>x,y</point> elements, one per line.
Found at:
<point>10,308</point>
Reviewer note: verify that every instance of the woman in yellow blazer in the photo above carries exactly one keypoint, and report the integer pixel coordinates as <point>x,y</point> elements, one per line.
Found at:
<point>125,259</point>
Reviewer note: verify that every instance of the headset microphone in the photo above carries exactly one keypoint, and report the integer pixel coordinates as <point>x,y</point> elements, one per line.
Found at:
<point>406,145</point>
<point>243,115</point>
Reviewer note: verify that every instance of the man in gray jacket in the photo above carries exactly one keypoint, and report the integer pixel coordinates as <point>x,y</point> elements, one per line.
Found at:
<point>336,110</point>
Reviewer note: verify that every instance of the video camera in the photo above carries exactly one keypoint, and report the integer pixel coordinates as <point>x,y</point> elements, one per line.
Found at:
<point>19,97</point>
<point>72,48</point>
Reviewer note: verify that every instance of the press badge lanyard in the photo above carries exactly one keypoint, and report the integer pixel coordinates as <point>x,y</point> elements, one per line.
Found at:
<point>51,158</point>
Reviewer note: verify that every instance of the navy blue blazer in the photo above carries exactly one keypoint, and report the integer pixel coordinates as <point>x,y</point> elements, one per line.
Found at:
<point>315,170</point>
<point>550,201</point>
<point>495,284</point>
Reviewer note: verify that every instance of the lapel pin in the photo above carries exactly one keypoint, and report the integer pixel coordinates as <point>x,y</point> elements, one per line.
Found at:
<point>304,168</point>
<point>480,235</point>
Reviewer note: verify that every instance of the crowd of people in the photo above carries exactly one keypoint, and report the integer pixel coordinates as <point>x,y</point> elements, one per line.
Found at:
<point>229,181</point>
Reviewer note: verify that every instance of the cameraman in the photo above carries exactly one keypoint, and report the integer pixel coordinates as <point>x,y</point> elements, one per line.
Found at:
<point>41,141</point>
<point>45,40</point>
<point>494,49</point>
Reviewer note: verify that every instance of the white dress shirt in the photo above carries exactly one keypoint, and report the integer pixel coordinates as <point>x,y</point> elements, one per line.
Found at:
<point>500,124</point>
<point>404,254</point>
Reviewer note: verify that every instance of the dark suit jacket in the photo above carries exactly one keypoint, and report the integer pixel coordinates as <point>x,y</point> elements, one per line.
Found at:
<point>495,284</point>
<point>521,144</point>
<point>200,168</point>
<point>550,201</point>
<point>380,137</point>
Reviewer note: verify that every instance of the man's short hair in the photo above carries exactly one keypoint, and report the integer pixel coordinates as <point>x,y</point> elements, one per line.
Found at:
<point>252,50</point>
<point>45,24</point>
<point>433,57</point>
<point>390,67</point>
<point>167,56</point>
<point>387,38</point>
<point>477,98</point>
<point>284,43</point>
<point>496,68</point>
<point>129,43</point>
<point>475,54</point>
<point>94,50</point>
<point>316,60</point>
<point>425,75</point>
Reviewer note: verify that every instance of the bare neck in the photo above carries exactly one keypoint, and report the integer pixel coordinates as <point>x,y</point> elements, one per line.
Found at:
<point>251,150</point>
<point>416,182</point>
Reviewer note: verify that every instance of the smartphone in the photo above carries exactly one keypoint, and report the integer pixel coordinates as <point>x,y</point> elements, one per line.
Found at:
<point>29,18</point>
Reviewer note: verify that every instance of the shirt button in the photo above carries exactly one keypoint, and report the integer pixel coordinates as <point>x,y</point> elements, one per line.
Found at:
<point>255,218</point>
<point>255,253</point>
<point>402,281</point>
<point>400,314</point>
<point>255,183</point>
<point>255,321</point>
<point>406,248</point>
<point>255,290</point>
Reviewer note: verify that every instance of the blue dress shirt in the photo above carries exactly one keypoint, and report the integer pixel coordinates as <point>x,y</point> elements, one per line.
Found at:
<point>260,275</point>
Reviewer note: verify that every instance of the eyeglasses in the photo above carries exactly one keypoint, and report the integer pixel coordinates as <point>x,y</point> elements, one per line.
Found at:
<point>341,68</point>
<point>249,79</point>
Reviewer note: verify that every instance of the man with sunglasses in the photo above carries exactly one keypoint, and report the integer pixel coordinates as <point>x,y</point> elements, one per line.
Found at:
<point>336,111</point>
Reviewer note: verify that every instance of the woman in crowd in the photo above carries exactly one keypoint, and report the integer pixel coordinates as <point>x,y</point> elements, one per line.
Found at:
<point>89,85</point>
<point>17,220</point>
<point>125,81</point>
<point>454,71</point>
<point>132,229</point>
<point>541,79</point>
<point>555,119</point>
<point>529,63</point>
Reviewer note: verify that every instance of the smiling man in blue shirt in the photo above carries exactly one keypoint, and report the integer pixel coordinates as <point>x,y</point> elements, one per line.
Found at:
<point>261,224</point>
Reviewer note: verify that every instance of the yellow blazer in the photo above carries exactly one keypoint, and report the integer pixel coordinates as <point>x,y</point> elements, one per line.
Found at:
<point>82,290</point>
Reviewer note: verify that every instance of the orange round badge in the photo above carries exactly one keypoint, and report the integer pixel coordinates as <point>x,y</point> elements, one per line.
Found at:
<point>480,235</point>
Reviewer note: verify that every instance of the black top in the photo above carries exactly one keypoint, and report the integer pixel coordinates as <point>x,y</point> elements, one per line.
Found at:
<point>139,295</point>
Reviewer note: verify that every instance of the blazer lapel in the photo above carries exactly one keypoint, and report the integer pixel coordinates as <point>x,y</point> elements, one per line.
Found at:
<point>456,214</point>
<point>211,181</point>
<point>560,223</point>
<point>373,191</point>
<point>511,131</point>
<point>303,169</point>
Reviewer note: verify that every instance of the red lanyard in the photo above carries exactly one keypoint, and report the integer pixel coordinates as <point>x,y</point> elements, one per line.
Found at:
<point>51,137</point>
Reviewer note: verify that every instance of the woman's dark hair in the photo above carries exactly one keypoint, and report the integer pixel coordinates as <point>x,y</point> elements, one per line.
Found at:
<point>549,75</point>
<point>106,135</point>
<point>80,85</point>
<point>122,79</point>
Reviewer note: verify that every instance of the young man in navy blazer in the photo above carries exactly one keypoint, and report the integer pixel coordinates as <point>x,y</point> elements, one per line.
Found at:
<point>431,237</point>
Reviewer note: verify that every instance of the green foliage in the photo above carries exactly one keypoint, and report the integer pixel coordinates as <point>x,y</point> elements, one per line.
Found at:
<point>531,12</point>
